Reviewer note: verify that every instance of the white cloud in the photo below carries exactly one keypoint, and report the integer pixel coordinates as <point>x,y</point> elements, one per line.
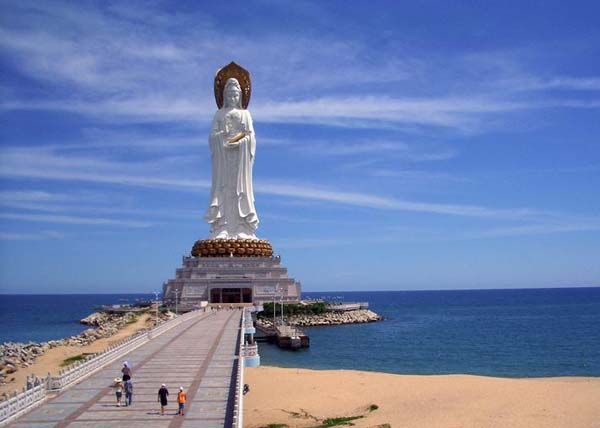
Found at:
<point>413,152</point>
<point>313,242</point>
<point>48,165</point>
<point>532,83</point>
<point>304,191</point>
<point>542,228</point>
<point>464,114</point>
<point>122,68</point>
<point>413,175</point>
<point>67,219</point>
<point>46,234</point>
<point>78,202</point>
<point>30,196</point>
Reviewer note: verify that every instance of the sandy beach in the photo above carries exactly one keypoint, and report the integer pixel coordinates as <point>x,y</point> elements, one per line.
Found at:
<point>305,398</point>
<point>51,361</point>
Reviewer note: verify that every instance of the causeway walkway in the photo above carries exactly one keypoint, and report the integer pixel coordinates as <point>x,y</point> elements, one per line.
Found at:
<point>198,354</point>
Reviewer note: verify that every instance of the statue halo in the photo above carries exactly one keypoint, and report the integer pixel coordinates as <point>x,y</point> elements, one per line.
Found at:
<point>232,70</point>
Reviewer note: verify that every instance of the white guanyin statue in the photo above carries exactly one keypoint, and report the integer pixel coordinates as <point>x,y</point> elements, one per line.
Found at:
<point>231,212</point>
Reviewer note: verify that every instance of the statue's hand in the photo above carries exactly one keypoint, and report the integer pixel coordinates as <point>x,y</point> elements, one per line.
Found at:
<point>231,145</point>
<point>238,137</point>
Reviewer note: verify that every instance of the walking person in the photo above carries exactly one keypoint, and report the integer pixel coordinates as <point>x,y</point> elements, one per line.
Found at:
<point>126,370</point>
<point>181,399</point>
<point>163,393</point>
<point>118,391</point>
<point>128,392</point>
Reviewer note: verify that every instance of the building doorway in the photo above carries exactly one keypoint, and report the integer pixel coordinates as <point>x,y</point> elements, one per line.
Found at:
<point>231,295</point>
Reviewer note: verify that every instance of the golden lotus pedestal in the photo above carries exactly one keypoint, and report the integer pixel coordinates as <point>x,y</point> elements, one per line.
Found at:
<point>232,248</point>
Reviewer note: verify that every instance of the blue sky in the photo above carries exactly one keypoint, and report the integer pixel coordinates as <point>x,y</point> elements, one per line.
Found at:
<point>413,145</point>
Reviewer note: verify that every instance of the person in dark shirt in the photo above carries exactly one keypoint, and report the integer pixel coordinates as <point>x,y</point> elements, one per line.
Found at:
<point>163,393</point>
<point>128,385</point>
<point>126,370</point>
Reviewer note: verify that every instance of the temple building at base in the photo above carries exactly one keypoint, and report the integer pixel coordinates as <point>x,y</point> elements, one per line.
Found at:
<point>230,280</point>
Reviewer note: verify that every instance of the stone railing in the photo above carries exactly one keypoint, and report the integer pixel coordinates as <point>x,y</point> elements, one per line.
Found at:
<point>22,402</point>
<point>238,405</point>
<point>31,397</point>
<point>82,369</point>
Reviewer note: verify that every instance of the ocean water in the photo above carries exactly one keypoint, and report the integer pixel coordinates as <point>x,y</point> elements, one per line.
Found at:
<point>508,333</point>
<point>512,333</point>
<point>39,318</point>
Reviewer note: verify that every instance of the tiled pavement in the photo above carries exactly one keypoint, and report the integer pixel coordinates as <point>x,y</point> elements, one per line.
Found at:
<point>198,354</point>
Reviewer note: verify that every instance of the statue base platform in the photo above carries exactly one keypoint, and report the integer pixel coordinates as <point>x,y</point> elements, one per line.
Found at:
<point>230,280</point>
<point>232,248</point>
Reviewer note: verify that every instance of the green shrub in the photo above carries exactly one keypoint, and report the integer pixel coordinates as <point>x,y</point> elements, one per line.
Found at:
<point>74,359</point>
<point>132,320</point>
<point>344,420</point>
<point>290,309</point>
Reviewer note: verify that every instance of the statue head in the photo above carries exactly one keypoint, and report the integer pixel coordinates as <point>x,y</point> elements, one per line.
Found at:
<point>232,94</point>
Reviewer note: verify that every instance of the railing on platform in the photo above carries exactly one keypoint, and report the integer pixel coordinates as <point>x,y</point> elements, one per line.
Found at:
<point>34,396</point>
<point>250,350</point>
<point>22,402</point>
<point>238,405</point>
<point>349,306</point>
<point>248,322</point>
<point>79,370</point>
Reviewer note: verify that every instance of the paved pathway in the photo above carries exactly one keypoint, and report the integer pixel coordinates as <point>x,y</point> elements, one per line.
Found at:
<point>198,354</point>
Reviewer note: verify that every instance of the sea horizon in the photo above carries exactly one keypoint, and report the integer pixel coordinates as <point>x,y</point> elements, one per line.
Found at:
<point>321,291</point>
<point>529,332</point>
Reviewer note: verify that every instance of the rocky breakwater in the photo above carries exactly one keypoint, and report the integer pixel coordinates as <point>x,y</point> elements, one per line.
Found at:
<point>334,318</point>
<point>328,318</point>
<point>16,355</point>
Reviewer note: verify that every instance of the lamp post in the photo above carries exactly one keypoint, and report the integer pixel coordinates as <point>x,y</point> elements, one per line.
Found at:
<point>275,291</point>
<point>176,294</point>
<point>281,291</point>
<point>278,291</point>
<point>156,300</point>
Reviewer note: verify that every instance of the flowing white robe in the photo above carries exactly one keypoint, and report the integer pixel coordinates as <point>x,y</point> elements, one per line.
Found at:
<point>231,211</point>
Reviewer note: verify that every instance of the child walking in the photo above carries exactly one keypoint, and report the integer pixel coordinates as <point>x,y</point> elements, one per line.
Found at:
<point>181,399</point>
<point>119,392</point>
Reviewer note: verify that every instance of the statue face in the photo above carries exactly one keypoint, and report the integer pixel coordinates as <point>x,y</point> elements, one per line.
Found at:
<point>231,99</point>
